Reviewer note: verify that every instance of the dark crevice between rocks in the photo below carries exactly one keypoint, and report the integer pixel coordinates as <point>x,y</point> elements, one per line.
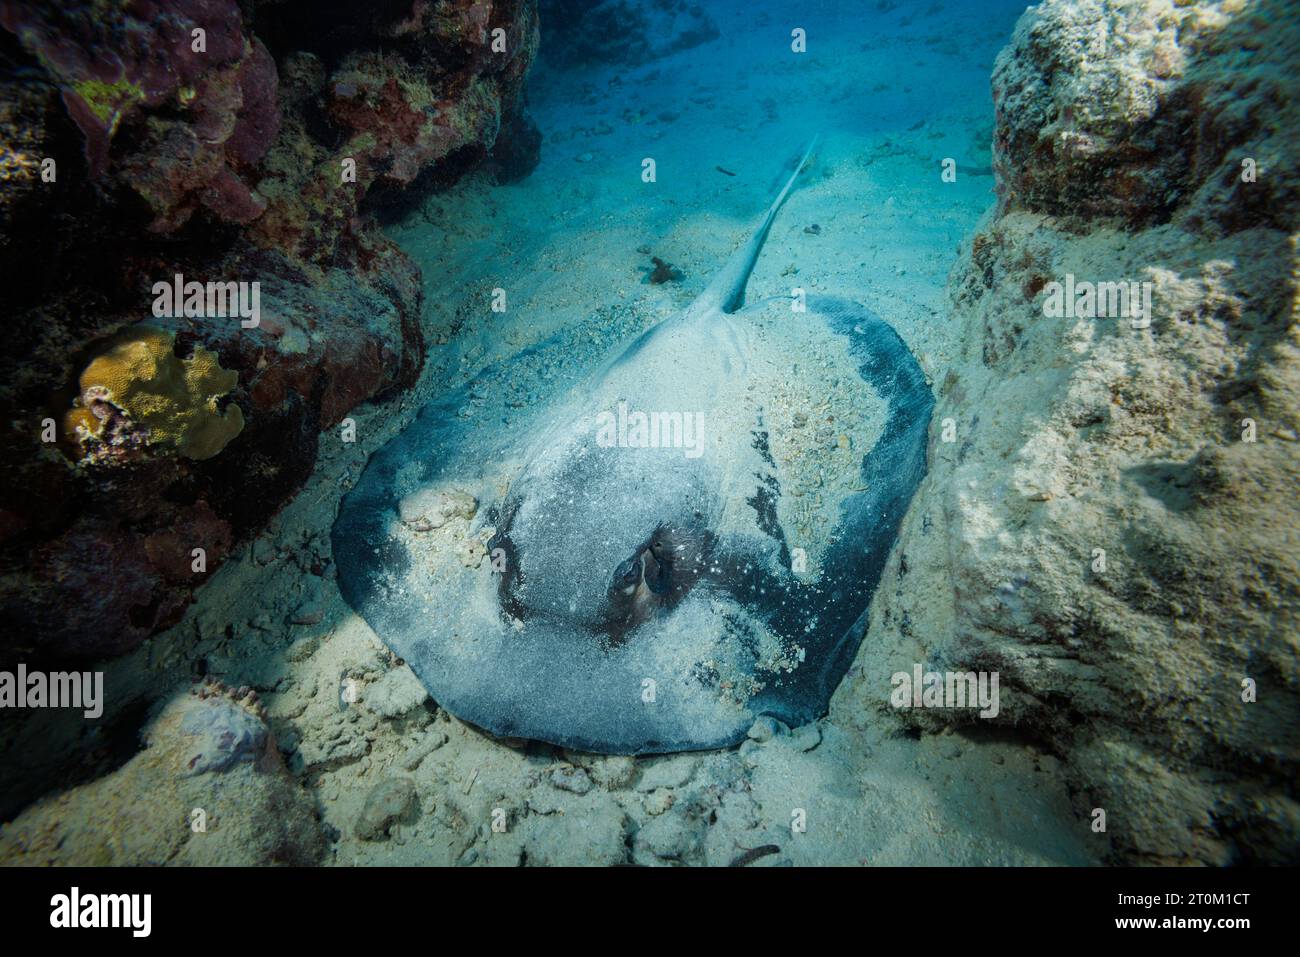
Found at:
<point>107,746</point>
<point>392,204</point>
<point>331,29</point>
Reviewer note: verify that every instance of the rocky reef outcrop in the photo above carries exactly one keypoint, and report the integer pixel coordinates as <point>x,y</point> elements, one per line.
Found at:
<point>1111,520</point>
<point>188,199</point>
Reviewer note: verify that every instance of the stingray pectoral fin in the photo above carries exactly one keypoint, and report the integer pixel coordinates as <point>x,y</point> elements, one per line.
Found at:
<point>868,524</point>
<point>457,440</point>
<point>884,360</point>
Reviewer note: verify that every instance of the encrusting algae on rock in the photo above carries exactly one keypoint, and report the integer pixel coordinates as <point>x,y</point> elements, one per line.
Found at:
<point>137,391</point>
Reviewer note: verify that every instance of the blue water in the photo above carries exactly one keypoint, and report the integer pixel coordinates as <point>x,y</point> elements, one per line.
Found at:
<point>893,93</point>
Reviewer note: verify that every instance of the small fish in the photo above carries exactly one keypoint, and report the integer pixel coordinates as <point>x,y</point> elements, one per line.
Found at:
<point>725,172</point>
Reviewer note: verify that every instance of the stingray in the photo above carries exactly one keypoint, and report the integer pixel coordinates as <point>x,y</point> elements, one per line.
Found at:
<point>647,550</point>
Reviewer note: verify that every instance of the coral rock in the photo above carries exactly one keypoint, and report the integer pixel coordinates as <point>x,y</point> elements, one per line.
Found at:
<point>1100,536</point>
<point>207,111</point>
<point>389,802</point>
<point>174,401</point>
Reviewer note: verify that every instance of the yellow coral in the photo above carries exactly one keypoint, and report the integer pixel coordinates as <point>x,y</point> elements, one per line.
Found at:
<point>175,399</point>
<point>80,418</point>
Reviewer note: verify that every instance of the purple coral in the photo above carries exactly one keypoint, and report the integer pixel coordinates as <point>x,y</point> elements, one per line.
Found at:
<point>114,64</point>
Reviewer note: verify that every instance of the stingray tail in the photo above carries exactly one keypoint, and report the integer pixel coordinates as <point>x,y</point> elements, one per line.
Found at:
<point>727,290</point>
